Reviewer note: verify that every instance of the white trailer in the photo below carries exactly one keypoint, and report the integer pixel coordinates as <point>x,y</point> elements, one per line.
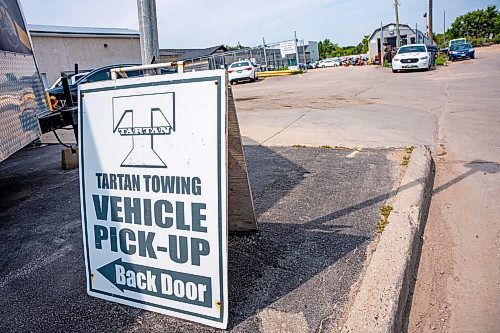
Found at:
<point>23,102</point>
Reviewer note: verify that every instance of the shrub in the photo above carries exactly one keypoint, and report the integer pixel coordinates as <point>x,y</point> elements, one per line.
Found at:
<point>441,59</point>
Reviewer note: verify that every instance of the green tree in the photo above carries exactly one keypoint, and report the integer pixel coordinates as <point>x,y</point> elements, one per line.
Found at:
<point>325,48</point>
<point>362,47</point>
<point>328,49</point>
<point>476,24</point>
<point>439,39</point>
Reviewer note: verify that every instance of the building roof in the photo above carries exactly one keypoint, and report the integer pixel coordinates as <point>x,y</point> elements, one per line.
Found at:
<point>394,24</point>
<point>186,54</point>
<point>175,52</point>
<point>53,30</point>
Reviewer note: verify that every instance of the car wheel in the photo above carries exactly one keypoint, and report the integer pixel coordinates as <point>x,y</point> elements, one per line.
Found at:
<point>394,70</point>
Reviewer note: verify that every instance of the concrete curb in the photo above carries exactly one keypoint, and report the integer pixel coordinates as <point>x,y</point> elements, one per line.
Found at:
<point>278,73</point>
<point>379,304</point>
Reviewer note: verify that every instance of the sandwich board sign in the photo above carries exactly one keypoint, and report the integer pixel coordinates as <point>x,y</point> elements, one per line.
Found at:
<point>153,181</point>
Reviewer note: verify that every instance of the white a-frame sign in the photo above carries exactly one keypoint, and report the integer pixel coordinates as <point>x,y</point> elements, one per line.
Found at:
<point>163,179</point>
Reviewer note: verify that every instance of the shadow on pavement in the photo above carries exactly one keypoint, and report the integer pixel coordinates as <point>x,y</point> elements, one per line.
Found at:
<point>302,261</point>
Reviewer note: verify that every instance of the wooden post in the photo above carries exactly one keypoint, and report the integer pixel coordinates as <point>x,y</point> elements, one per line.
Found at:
<point>241,213</point>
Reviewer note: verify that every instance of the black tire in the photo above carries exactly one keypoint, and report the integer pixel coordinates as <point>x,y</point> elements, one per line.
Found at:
<point>394,70</point>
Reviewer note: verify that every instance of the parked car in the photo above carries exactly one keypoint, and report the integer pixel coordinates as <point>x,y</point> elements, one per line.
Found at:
<point>461,51</point>
<point>242,71</point>
<point>328,63</point>
<point>71,80</point>
<point>99,74</point>
<point>414,56</point>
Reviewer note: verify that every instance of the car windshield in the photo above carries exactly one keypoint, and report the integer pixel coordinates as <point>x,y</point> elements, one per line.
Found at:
<point>413,48</point>
<point>458,47</point>
<point>457,41</point>
<point>240,64</point>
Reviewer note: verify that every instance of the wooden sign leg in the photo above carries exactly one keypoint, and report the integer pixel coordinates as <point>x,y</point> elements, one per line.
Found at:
<point>241,213</point>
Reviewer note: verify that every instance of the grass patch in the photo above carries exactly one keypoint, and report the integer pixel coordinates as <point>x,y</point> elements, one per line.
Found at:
<point>441,60</point>
<point>406,158</point>
<point>410,149</point>
<point>385,211</point>
<point>326,147</point>
<point>298,146</point>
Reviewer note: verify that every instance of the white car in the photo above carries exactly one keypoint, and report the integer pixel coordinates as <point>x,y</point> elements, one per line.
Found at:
<point>328,63</point>
<point>242,70</point>
<point>414,56</point>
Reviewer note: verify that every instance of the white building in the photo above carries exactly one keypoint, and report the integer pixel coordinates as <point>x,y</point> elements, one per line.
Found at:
<point>57,49</point>
<point>408,35</point>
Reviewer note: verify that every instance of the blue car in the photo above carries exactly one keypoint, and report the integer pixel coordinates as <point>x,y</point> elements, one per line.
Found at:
<point>461,51</point>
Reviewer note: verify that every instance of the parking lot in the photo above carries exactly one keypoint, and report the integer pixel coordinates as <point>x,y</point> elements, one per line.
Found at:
<point>342,106</point>
<point>317,207</point>
<point>454,110</point>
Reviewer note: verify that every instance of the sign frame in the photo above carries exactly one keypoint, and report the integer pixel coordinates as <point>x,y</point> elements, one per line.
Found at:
<point>219,79</point>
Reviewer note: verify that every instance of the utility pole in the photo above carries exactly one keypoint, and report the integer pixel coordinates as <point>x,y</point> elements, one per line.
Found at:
<point>148,29</point>
<point>444,27</point>
<point>429,17</point>
<point>398,36</point>
<point>296,49</point>
<point>265,55</point>
<point>381,60</point>
<point>304,52</point>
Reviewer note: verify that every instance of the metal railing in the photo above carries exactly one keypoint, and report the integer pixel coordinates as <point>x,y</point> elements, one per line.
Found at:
<point>116,71</point>
<point>266,58</point>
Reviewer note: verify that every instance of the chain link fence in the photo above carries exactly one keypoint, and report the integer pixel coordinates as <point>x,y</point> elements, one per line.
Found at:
<point>266,58</point>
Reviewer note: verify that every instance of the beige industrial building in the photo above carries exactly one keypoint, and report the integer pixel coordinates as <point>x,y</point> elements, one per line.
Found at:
<point>58,49</point>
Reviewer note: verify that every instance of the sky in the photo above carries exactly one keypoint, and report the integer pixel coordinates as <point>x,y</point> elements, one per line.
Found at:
<point>201,23</point>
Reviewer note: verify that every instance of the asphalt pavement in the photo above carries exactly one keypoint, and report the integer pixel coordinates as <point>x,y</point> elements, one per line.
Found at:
<point>317,209</point>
